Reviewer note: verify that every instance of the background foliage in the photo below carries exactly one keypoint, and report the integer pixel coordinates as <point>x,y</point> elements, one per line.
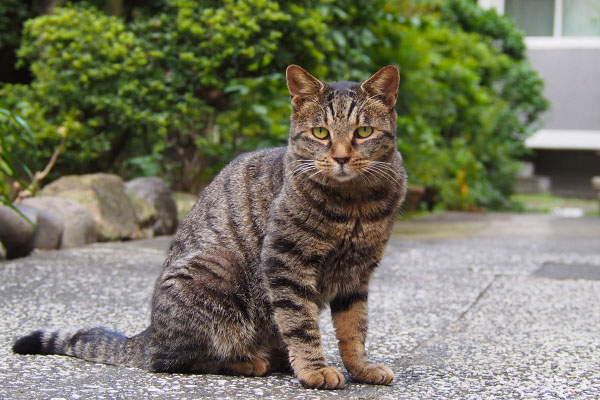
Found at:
<point>14,133</point>
<point>179,87</point>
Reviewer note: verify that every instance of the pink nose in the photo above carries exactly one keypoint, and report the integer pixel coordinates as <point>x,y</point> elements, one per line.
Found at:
<point>341,160</point>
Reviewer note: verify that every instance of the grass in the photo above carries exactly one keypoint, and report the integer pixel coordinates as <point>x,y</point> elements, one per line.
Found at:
<point>546,203</point>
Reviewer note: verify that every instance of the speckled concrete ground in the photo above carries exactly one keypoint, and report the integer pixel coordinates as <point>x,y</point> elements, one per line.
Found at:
<point>463,306</point>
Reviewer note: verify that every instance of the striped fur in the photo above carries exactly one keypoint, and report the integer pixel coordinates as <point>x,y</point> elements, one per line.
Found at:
<point>277,236</point>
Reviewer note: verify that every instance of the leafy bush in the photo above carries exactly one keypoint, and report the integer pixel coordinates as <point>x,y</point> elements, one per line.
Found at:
<point>12,15</point>
<point>467,100</point>
<point>87,69</point>
<point>15,174</point>
<point>145,97</point>
<point>17,181</point>
<point>182,86</point>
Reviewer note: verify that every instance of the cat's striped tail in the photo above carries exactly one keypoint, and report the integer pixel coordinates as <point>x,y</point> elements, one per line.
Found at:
<point>92,344</point>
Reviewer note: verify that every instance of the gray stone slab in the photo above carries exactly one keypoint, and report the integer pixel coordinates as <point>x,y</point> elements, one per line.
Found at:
<point>569,271</point>
<point>111,285</point>
<point>526,337</point>
<point>455,316</point>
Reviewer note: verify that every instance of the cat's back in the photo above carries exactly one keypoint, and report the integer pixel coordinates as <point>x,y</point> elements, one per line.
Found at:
<point>233,210</point>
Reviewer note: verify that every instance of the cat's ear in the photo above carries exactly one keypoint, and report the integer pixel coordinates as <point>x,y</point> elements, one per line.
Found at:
<point>383,84</point>
<point>301,84</point>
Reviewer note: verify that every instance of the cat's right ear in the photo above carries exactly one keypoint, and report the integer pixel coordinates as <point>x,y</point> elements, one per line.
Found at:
<point>383,85</point>
<point>302,85</point>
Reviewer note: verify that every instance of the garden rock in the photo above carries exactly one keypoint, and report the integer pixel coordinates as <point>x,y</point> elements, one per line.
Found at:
<point>185,202</point>
<point>155,191</point>
<point>49,228</point>
<point>145,213</point>
<point>103,195</point>
<point>78,222</point>
<point>2,252</point>
<point>16,234</point>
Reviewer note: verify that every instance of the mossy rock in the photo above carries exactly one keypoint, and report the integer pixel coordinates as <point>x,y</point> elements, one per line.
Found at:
<point>104,196</point>
<point>185,202</point>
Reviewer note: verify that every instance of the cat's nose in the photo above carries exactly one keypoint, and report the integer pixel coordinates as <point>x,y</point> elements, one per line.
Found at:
<point>341,160</point>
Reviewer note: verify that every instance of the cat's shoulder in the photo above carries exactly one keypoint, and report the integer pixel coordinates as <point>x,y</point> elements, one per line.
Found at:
<point>271,157</point>
<point>262,154</point>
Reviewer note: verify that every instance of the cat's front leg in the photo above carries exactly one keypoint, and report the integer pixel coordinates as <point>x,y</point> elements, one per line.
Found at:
<point>295,307</point>
<point>349,314</point>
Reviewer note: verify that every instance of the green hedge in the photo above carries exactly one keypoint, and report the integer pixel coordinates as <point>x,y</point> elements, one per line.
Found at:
<point>468,102</point>
<point>181,87</point>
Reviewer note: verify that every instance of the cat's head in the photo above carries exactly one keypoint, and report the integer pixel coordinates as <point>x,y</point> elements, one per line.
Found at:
<point>342,130</point>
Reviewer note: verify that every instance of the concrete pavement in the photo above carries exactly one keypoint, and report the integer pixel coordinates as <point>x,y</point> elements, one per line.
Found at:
<point>463,306</point>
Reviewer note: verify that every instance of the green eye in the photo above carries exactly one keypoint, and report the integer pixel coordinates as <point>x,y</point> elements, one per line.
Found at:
<point>364,131</point>
<point>320,133</point>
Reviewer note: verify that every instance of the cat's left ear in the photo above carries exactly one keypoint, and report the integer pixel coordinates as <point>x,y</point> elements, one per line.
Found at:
<point>302,85</point>
<point>383,84</point>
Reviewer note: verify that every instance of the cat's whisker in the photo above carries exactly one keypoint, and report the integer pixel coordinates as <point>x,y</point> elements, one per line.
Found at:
<point>367,174</point>
<point>383,170</point>
<point>303,169</point>
<point>372,174</point>
<point>390,169</point>
<point>384,167</point>
<point>303,160</point>
<point>384,173</point>
<point>390,177</point>
<point>304,165</point>
<point>315,174</point>
<point>380,162</point>
<point>366,178</point>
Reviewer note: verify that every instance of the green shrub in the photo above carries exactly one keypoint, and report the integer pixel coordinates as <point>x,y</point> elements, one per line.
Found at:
<point>15,175</point>
<point>223,65</point>
<point>181,86</point>
<point>160,94</point>
<point>88,70</point>
<point>17,179</point>
<point>467,100</point>
<point>12,15</point>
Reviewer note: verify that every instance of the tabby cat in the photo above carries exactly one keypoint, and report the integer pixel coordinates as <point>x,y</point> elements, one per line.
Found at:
<point>279,234</point>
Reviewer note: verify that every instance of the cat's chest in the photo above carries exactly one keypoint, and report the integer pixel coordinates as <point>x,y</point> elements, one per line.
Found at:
<point>353,255</point>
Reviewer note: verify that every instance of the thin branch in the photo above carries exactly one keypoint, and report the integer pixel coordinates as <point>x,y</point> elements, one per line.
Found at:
<point>28,192</point>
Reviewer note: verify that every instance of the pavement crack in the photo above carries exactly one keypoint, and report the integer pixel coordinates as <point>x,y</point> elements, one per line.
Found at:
<point>444,330</point>
<point>476,301</point>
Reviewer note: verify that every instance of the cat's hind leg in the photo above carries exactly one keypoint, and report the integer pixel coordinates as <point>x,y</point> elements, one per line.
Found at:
<point>204,315</point>
<point>253,367</point>
<point>275,359</point>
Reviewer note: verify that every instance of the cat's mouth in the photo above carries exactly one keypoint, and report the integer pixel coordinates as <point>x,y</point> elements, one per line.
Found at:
<point>342,173</point>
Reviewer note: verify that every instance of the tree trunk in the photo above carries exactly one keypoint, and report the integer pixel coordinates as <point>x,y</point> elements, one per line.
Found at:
<point>48,6</point>
<point>114,7</point>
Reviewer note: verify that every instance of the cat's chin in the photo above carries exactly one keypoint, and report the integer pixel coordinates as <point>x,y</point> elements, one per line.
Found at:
<point>344,176</point>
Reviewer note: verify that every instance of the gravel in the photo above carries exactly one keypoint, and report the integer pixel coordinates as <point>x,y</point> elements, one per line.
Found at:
<point>470,314</point>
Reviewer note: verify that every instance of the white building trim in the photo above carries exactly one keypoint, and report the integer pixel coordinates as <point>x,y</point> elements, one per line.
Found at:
<point>557,30</point>
<point>558,18</point>
<point>564,139</point>
<point>554,43</point>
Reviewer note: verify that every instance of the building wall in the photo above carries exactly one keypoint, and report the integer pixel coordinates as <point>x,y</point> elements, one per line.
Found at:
<point>571,73</point>
<point>572,84</point>
<point>567,147</point>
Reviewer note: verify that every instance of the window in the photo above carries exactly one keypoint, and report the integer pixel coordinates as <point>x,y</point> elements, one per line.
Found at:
<point>556,17</point>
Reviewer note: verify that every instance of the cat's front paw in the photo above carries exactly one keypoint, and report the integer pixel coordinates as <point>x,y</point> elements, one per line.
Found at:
<point>322,378</point>
<point>373,374</point>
